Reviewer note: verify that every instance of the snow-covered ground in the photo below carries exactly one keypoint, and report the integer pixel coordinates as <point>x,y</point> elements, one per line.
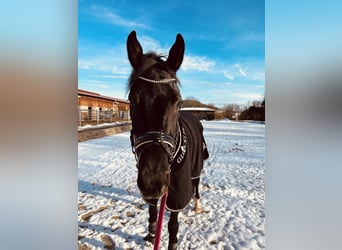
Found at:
<point>102,125</point>
<point>232,187</point>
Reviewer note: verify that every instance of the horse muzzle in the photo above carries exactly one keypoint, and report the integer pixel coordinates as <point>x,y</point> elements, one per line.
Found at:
<point>156,196</point>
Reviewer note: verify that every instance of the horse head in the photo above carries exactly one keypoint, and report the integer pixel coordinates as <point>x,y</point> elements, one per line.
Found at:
<point>154,103</point>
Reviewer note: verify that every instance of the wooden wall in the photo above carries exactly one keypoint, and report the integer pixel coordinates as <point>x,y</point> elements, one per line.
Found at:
<point>89,101</point>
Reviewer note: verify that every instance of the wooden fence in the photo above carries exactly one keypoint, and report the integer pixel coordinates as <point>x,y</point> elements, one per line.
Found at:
<point>92,117</point>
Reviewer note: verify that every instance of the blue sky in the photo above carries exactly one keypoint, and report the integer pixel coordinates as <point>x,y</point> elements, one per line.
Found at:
<point>224,39</point>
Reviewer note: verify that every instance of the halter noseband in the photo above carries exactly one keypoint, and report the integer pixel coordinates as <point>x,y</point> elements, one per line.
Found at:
<point>139,144</point>
<point>152,137</point>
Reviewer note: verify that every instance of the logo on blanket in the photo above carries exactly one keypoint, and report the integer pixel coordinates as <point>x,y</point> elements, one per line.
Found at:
<point>182,152</point>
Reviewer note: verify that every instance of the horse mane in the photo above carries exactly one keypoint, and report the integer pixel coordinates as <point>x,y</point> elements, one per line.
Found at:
<point>151,60</point>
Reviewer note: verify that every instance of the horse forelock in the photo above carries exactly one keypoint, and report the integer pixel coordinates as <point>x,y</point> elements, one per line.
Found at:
<point>153,67</point>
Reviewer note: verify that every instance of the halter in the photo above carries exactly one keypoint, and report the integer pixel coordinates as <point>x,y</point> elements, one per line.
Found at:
<point>139,144</point>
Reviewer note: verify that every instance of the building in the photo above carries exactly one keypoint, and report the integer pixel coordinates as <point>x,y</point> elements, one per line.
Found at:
<point>95,108</point>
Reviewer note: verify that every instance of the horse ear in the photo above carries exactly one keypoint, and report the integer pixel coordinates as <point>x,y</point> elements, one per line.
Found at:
<point>176,53</point>
<point>134,49</point>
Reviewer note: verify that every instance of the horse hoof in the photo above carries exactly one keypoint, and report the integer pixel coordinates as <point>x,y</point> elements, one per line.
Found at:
<point>198,210</point>
<point>150,238</point>
<point>172,246</point>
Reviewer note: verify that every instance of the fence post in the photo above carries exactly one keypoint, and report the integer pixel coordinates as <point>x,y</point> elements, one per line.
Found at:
<point>97,116</point>
<point>79,117</point>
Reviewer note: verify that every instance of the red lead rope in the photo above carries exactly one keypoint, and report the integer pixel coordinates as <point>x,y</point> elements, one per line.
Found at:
<point>160,222</point>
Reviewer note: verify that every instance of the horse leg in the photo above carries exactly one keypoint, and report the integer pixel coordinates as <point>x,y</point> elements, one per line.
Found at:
<point>173,230</point>
<point>152,221</point>
<point>195,184</point>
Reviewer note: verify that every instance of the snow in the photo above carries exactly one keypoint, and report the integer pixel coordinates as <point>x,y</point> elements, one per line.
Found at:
<point>232,193</point>
<point>101,125</point>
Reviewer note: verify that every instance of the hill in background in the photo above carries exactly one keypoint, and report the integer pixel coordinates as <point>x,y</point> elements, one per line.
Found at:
<point>189,103</point>
<point>252,111</point>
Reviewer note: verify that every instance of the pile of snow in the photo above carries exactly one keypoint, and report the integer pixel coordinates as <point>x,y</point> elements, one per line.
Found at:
<point>101,125</point>
<point>111,212</point>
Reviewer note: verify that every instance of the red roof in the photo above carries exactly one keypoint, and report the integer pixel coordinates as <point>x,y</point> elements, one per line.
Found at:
<point>93,94</point>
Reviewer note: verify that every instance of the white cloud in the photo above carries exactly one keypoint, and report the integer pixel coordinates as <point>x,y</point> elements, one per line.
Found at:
<point>101,86</point>
<point>109,63</point>
<point>197,63</point>
<point>262,86</point>
<point>234,71</point>
<point>249,96</point>
<point>241,71</point>
<point>258,76</point>
<point>228,75</point>
<point>111,76</point>
<point>111,17</point>
<point>251,72</point>
<point>251,37</point>
<point>150,44</point>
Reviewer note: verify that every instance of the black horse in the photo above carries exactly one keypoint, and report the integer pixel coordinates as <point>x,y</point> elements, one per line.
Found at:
<point>168,144</point>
